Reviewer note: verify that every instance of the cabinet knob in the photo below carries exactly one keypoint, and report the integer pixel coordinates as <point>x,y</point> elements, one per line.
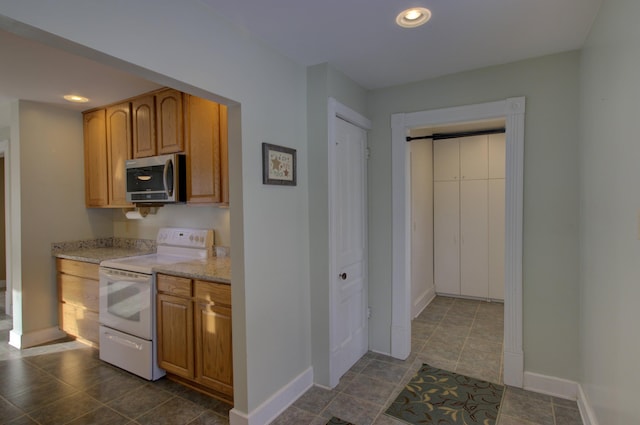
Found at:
<point>343,276</point>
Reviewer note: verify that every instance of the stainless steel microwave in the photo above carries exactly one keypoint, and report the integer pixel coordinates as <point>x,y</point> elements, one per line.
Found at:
<point>157,179</point>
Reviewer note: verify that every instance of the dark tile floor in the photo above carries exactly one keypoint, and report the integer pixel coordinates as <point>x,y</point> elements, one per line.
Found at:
<point>66,383</point>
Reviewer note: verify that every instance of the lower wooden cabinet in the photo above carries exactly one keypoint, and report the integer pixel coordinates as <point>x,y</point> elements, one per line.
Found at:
<point>78,299</point>
<point>194,334</point>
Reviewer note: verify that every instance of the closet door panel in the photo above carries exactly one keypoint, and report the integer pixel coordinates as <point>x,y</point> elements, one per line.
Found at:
<point>496,239</point>
<point>474,235</point>
<point>446,237</point>
<point>446,160</point>
<point>474,158</point>
<point>497,156</point>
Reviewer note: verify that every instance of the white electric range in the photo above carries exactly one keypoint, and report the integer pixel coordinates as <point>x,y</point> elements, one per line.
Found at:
<point>127,299</point>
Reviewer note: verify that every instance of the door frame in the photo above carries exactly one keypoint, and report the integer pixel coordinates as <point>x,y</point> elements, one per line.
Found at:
<point>337,110</point>
<point>513,111</point>
<point>4,152</point>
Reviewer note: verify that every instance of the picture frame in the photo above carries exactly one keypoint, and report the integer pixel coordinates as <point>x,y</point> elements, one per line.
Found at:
<point>278,165</point>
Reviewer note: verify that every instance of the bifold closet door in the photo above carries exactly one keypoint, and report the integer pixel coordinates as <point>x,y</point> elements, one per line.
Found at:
<point>446,237</point>
<point>474,238</point>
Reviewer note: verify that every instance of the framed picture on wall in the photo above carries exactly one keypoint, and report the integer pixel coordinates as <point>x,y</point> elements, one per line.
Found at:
<point>278,165</point>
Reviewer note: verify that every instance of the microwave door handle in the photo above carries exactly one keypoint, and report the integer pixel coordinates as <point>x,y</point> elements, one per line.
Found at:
<point>164,178</point>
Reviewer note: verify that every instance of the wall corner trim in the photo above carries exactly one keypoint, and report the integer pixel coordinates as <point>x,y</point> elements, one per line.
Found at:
<point>586,411</point>
<point>276,404</point>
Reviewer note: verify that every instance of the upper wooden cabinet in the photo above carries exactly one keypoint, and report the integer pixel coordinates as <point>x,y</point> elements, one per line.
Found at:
<point>157,124</point>
<point>95,159</point>
<point>206,148</point>
<point>118,151</point>
<point>107,145</point>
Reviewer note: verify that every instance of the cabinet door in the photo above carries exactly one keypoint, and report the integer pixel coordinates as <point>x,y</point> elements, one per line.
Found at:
<point>496,239</point>
<point>95,159</point>
<point>446,237</point>
<point>203,151</point>
<point>119,148</point>
<point>169,122</point>
<point>224,154</point>
<point>214,359</point>
<point>474,235</point>
<point>175,335</point>
<point>144,127</point>
<point>497,156</point>
<point>446,160</point>
<point>474,158</point>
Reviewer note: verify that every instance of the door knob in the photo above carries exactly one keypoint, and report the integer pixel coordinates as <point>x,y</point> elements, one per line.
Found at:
<point>343,276</point>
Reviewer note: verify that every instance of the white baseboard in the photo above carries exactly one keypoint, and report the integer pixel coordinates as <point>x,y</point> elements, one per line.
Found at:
<point>551,385</point>
<point>423,301</point>
<point>34,338</point>
<point>586,411</point>
<point>276,404</point>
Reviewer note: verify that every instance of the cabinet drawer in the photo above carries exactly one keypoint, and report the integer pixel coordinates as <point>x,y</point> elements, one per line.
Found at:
<point>179,286</point>
<point>77,268</point>
<point>218,293</point>
<point>79,291</point>
<point>79,322</point>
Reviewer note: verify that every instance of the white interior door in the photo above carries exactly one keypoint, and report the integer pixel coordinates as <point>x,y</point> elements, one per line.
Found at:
<point>349,334</point>
<point>496,239</point>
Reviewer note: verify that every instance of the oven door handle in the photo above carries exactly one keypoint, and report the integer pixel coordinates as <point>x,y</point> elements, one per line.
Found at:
<point>124,342</point>
<point>114,275</point>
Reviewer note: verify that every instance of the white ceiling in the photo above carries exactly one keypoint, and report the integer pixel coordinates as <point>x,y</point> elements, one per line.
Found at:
<point>358,37</point>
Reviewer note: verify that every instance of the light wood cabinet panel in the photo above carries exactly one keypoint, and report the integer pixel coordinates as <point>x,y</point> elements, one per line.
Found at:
<point>78,299</point>
<point>224,153</point>
<point>119,150</point>
<point>144,126</point>
<point>203,151</point>
<point>175,335</point>
<point>214,359</point>
<point>95,159</point>
<point>169,122</point>
<point>194,333</point>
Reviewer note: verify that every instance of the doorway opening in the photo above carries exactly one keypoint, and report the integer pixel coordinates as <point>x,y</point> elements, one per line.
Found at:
<point>512,112</point>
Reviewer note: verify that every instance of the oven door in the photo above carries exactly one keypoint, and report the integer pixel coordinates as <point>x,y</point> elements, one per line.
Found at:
<point>126,302</point>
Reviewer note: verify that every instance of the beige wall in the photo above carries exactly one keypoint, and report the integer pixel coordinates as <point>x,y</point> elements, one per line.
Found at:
<point>51,183</point>
<point>609,220</point>
<point>550,263</point>
<point>3,252</point>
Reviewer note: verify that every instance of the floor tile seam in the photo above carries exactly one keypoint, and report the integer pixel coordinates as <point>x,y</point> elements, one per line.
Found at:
<point>154,408</point>
<point>93,410</point>
<point>30,389</point>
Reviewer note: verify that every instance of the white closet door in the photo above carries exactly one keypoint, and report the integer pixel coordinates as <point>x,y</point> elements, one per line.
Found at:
<point>496,156</point>
<point>496,239</point>
<point>474,158</point>
<point>446,160</point>
<point>446,237</point>
<point>474,238</point>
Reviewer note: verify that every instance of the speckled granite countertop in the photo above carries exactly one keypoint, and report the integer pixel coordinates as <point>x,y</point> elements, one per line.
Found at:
<point>212,268</point>
<point>96,255</point>
<point>95,251</point>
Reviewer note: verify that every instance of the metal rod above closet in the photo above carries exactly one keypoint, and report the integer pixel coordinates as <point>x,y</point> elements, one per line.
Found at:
<point>443,136</point>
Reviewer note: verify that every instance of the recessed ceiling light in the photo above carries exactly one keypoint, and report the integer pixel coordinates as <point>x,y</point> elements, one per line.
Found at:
<point>413,17</point>
<point>75,98</point>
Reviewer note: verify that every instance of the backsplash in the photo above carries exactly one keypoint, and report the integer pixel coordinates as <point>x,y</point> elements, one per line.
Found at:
<point>140,244</point>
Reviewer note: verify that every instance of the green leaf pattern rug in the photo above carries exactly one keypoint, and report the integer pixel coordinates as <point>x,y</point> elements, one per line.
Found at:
<point>440,397</point>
